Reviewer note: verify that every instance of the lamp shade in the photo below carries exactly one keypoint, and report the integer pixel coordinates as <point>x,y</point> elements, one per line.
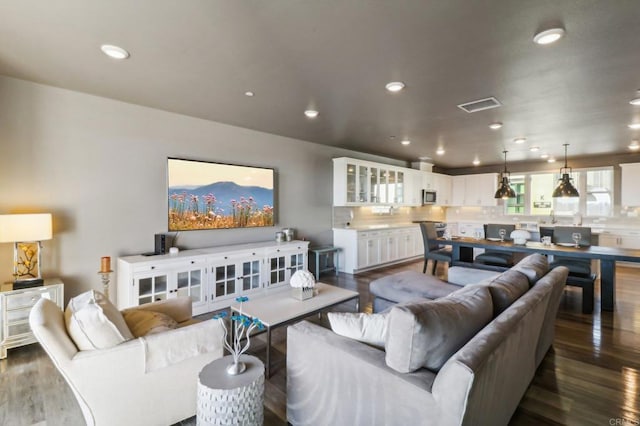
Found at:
<point>25,227</point>
<point>505,190</point>
<point>565,188</point>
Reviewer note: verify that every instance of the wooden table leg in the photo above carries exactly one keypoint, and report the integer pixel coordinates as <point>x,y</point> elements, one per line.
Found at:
<point>607,284</point>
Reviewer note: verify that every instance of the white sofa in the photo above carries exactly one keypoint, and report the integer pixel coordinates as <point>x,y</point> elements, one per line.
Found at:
<point>111,385</point>
<point>332,379</point>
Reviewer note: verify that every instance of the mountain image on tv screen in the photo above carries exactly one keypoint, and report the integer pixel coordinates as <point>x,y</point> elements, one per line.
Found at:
<point>204,195</point>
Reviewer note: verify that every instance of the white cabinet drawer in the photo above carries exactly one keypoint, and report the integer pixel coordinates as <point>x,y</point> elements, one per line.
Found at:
<point>29,298</point>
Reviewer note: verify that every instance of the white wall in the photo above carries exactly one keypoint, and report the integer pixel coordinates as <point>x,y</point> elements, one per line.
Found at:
<point>99,166</point>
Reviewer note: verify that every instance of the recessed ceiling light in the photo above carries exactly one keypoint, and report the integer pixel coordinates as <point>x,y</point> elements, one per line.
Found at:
<point>548,36</point>
<point>476,162</point>
<point>495,126</point>
<point>520,140</point>
<point>545,155</point>
<point>311,113</point>
<point>405,142</point>
<point>440,151</point>
<point>634,126</point>
<point>551,160</point>
<point>424,158</point>
<point>249,93</point>
<point>114,52</point>
<point>534,149</point>
<point>635,101</point>
<point>634,146</point>
<point>395,86</point>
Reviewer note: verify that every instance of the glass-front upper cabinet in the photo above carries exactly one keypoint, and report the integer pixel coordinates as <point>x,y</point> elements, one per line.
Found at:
<point>351,183</point>
<point>360,182</point>
<point>363,183</point>
<point>399,198</point>
<point>374,187</point>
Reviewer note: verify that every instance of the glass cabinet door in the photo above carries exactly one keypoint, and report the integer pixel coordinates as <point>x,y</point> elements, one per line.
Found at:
<point>373,186</point>
<point>351,183</point>
<point>190,283</point>
<point>250,275</point>
<point>224,280</point>
<point>391,187</point>
<point>383,186</point>
<point>363,183</point>
<point>400,188</point>
<point>152,288</point>
<point>297,263</point>
<point>277,270</point>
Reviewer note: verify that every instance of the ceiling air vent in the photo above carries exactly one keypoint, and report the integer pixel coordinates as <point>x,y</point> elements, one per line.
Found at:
<point>479,105</point>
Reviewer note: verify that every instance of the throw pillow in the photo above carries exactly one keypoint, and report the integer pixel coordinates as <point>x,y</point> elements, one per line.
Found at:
<point>93,322</point>
<point>366,328</point>
<point>506,288</point>
<point>144,322</point>
<point>427,333</point>
<point>534,266</point>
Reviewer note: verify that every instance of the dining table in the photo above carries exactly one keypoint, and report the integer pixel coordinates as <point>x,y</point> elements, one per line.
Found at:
<point>462,255</point>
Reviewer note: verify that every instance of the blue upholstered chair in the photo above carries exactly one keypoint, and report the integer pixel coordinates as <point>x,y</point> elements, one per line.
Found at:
<point>432,249</point>
<point>492,257</point>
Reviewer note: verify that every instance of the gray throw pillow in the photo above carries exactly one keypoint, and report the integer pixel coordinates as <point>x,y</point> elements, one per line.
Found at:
<point>427,333</point>
<point>506,288</point>
<point>534,266</point>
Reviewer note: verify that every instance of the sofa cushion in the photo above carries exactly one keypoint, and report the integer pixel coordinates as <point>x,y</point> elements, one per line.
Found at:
<point>427,333</point>
<point>366,328</point>
<point>410,285</point>
<point>142,322</point>
<point>534,266</point>
<point>505,289</point>
<point>93,322</point>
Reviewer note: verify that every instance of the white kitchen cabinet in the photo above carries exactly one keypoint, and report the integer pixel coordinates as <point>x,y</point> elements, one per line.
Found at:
<point>629,194</point>
<point>361,250</point>
<point>361,183</point>
<point>474,190</point>
<point>213,277</point>
<point>627,238</point>
<point>442,185</point>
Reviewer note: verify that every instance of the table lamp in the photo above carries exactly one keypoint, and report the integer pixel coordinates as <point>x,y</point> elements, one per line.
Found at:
<point>26,231</point>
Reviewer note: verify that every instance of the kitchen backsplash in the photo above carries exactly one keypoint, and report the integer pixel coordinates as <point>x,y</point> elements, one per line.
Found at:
<point>387,215</point>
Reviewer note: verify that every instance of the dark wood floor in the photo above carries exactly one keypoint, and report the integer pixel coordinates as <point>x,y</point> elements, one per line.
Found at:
<point>590,377</point>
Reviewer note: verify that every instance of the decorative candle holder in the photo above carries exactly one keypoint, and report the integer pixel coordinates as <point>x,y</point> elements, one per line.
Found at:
<point>105,272</point>
<point>106,278</point>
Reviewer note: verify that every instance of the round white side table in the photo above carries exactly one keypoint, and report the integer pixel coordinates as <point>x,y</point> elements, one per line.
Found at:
<point>231,400</point>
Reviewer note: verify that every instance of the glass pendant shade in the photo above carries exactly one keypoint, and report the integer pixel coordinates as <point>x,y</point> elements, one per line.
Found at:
<point>565,188</point>
<point>504,190</point>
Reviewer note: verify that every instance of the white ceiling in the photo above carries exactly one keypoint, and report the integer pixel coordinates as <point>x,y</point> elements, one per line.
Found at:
<point>198,57</point>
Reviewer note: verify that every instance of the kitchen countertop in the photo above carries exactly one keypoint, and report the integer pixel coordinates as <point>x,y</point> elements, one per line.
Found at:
<point>377,227</point>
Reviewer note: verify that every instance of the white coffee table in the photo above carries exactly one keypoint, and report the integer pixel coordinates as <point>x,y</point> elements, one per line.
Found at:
<point>280,308</point>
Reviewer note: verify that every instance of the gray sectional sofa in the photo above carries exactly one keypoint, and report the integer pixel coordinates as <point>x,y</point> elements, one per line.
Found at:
<point>334,380</point>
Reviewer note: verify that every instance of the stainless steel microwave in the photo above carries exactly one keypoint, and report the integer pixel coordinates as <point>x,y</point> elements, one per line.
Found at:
<point>428,197</point>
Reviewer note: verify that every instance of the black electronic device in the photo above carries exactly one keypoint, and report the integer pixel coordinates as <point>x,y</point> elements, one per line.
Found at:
<point>161,244</point>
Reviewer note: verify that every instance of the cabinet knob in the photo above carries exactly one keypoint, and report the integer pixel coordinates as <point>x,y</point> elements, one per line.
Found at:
<point>153,267</point>
<point>193,261</point>
<point>226,257</point>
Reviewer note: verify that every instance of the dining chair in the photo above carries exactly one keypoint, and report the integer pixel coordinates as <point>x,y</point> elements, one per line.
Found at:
<point>493,257</point>
<point>579,269</point>
<point>432,250</point>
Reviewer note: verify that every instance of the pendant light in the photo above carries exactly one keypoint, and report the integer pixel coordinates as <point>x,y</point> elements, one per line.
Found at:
<point>505,191</point>
<point>565,188</point>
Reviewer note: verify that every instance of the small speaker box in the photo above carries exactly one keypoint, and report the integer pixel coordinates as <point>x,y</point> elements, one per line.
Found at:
<point>161,244</point>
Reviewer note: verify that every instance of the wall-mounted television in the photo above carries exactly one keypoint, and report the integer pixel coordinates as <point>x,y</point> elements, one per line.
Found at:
<point>209,195</point>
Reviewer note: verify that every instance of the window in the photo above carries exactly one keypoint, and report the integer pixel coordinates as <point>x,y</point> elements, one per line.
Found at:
<point>517,205</point>
<point>533,194</point>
